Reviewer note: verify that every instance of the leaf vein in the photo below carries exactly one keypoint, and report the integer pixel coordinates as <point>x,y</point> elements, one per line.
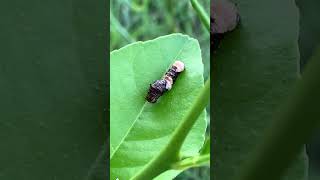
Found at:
<point>142,109</point>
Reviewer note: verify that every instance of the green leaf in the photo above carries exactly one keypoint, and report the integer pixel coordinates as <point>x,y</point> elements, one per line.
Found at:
<point>206,147</point>
<point>309,36</point>
<point>255,67</point>
<point>139,130</point>
<point>309,39</point>
<point>53,83</point>
<point>202,159</point>
<point>170,174</point>
<point>292,127</point>
<point>169,155</point>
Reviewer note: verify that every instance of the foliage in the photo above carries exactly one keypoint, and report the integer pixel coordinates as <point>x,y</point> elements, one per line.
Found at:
<point>143,20</point>
<point>309,39</point>
<point>297,121</point>
<point>53,88</point>
<point>140,129</point>
<point>255,68</point>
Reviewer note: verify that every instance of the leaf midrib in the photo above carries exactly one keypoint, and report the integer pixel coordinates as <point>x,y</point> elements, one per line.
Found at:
<point>129,129</point>
<point>142,108</point>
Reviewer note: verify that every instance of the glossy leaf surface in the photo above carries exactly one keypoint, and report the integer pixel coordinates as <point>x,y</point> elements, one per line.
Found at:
<point>53,88</point>
<point>254,69</point>
<point>139,130</point>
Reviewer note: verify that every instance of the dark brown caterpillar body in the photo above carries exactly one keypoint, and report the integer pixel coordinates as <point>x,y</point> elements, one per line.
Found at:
<point>156,90</point>
<point>159,87</point>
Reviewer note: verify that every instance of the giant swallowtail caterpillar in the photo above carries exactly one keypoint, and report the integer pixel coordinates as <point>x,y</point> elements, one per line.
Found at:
<point>159,87</point>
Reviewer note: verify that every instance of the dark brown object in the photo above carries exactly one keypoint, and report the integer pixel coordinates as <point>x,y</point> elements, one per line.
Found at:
<point>159,87</point>
<point>172,72</point>
<point>156,90</point>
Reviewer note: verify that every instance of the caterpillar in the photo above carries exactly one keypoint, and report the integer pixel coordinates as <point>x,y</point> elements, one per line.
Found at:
<point>159,87</point>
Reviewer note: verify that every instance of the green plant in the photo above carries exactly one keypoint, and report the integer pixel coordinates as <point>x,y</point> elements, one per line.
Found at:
<point>136,124</point>
<point>294,125</point>
<point>255,69</point>
<point>309,38</point>
<point>157,140</point>
<point>135,20</point>
<point>53,88</point>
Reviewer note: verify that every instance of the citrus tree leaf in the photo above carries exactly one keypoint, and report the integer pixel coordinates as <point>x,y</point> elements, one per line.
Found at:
<point>309,36</point>
<point>138,129</point>
<point>309,40</point>
<point>53,88</point>
<point>206,147</point>
<point>170,174</point>
<point>255,68</point>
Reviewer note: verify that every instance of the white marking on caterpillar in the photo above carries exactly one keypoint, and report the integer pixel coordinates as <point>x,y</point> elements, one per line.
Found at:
<point>179,65</point>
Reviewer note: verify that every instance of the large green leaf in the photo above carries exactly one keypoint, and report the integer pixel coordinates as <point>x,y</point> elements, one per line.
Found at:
<point>255,68</point>
<point>53,88</point>
<point>139,130</point>
<point>309,39</point>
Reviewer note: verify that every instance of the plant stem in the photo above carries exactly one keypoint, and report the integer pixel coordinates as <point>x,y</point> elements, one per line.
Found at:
<point>170,153</point>
<point>293,127</point>
<point>192,162</point>
<point>201,13</point>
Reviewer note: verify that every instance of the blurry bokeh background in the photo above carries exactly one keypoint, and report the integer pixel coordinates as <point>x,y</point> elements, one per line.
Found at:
<point>141,20</point>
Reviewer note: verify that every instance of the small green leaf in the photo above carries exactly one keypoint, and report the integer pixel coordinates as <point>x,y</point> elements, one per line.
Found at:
<point>139,130</point>
<point>206,147</point>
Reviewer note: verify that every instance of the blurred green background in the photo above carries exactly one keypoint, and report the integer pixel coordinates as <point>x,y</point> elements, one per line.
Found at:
<point>141,20</point>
